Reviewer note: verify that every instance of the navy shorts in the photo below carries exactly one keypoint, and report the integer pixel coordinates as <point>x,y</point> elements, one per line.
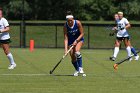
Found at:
<point>123,38</point>
<point>71,42</point>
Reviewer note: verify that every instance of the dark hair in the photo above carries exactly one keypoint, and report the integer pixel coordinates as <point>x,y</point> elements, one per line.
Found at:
<point>115,14</point>
<point>0,8</point>
<point>68,12</point>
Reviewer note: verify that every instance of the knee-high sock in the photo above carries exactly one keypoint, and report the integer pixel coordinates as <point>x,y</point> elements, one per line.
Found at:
<point>116,51</point>
<point>76,66</point>
<point>79,60</point>
<point>128,49</point>
<point>11,59</point>
<point>133,51</point>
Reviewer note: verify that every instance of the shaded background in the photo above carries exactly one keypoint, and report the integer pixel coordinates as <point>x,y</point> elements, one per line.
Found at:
<point>82,9</point>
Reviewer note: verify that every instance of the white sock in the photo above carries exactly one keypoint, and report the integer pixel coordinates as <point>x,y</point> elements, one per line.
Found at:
<point>11,59</point>
<point>116,51</point>
<point>128,49</point>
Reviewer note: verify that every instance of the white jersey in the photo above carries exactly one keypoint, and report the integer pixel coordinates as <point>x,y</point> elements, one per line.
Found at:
<point>122,32</point>
<point>4,23</point>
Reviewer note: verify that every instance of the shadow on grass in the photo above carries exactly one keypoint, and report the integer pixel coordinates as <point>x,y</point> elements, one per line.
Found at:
<point>3,68</point>
<point>60,75</point>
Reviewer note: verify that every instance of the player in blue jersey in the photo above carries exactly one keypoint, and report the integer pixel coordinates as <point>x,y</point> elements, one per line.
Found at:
<point>74,35</point>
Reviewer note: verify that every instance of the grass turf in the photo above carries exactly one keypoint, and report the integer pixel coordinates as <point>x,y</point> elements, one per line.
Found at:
<point>32,73</point>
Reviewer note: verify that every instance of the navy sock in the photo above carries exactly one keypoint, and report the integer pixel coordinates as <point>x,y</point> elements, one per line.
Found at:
<point>79,60</point>
<point>76,66</point>
<point>133,51</point>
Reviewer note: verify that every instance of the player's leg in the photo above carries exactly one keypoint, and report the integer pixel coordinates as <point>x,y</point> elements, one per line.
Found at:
<point>127,44</point>
<point>133,51</point>
<point>79,56</point>
<point>116,49</point>
<point>9,55</point>
<point>74,62</point>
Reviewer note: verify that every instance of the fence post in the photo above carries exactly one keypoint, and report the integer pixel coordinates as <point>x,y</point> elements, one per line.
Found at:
<point>88,37</point>
<point>55,36</point>
<point>22,29</point>
<point>22,35</point>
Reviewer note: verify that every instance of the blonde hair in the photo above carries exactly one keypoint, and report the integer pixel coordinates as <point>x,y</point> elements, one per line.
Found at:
<point>121,13</point>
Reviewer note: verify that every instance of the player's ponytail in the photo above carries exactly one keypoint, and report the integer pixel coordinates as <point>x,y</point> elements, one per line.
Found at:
<point>0,9</point>
<point>69,13</point>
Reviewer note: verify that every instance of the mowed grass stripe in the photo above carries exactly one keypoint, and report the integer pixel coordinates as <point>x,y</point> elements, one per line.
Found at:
<point>32,73</point>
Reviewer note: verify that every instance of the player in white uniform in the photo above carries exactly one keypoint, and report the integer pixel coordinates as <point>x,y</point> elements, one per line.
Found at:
<point>122,35</point>
<point>116,17</point>
<point>5,39</point>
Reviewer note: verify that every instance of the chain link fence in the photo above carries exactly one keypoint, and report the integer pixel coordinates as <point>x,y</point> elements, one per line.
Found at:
<point>50,35</point>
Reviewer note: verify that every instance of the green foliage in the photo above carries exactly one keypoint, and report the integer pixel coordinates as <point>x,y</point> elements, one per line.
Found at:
<point>15,9</point>
<point>134,9</point>
<point>82,9</point>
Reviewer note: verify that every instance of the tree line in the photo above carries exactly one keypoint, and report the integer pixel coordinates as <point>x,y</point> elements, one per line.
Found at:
<point>82,9</point>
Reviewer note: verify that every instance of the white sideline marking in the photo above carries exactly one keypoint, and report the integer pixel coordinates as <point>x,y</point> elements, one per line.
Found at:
<point>24,74</point>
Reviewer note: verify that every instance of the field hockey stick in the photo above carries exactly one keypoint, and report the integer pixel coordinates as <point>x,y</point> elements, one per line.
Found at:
<point>122,61</point>
<point>51,71</point>
<point>112,31</point>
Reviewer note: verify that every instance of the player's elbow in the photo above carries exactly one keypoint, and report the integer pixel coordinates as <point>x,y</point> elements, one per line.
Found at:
<point>82,34</point>
<point>129,25</point>
<point>65,39</point>
<point>7,28</point>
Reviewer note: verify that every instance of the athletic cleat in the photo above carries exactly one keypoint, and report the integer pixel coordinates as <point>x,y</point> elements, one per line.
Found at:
<point>115,66</point>
<point>12,66</point>
<point>137,57</point>
<point>81,70</point>
<point>112,58</point>
<point>130,59</point>
<point>76,73</point>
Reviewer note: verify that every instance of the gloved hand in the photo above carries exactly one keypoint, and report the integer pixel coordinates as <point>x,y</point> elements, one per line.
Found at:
<point>111,34</point>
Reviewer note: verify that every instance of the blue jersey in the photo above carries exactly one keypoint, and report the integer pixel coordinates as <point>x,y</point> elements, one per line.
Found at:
<point>73,33</point>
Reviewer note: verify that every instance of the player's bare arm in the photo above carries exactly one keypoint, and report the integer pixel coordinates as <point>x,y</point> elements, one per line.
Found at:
<point>128,26</point>
<point>81,33</point>
<point>65,38</point>
<point>81,30</point>
<point>5,30</point>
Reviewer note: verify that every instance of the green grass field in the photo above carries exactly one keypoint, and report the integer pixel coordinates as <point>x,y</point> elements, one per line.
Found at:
<point>32,73</point>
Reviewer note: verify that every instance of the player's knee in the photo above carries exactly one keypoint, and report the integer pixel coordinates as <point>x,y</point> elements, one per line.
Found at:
<point>117,44</point>
<point>6,51</point>
<point>127,45</point>
<point>73,58</point>
<point>78,55</point>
